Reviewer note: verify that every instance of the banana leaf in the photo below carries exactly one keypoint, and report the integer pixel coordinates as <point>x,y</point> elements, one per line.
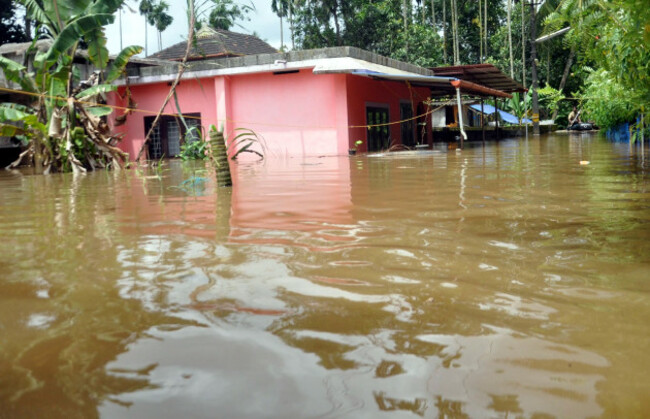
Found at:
<point>95,90</point>
<point>99,110</point>
<point>120,62</point>
<point>97,50</point>
<point>75,30</point>
<point>63,10</point>
<point>8,130</point>
<point>35,11</point>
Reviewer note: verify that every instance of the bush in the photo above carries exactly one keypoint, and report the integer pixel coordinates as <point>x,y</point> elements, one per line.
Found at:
<point>193,150</point>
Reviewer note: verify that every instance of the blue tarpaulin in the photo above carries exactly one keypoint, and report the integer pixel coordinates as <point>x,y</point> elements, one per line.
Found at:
<point>507,117</point>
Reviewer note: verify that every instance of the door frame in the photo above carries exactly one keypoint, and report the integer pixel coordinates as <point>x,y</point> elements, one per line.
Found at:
<point>383,140</point>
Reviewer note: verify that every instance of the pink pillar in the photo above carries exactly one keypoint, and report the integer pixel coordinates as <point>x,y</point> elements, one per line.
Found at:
<point>224,104</point>
<point>342,117</point>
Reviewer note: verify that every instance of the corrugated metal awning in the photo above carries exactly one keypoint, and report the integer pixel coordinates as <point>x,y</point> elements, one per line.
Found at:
<point>483,74</point>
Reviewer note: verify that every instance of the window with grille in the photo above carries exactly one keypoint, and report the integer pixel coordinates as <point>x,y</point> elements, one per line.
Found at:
<point>170,134</point>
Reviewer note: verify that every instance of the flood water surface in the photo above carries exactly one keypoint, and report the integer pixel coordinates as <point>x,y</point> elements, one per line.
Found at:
<point>502,281</point>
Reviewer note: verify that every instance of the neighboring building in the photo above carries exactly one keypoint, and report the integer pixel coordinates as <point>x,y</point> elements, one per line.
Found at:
<point>216,43</point>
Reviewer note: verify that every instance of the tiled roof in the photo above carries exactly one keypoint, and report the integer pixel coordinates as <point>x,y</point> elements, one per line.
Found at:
<point>215,43</point>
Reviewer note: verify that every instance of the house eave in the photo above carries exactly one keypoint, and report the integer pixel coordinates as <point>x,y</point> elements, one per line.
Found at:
<point>295,60</point>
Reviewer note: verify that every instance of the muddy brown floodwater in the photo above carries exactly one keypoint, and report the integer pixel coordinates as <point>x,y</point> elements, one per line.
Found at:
<point>505,281</point>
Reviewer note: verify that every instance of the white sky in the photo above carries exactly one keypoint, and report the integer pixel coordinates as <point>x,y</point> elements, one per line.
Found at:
<point>263,21</point>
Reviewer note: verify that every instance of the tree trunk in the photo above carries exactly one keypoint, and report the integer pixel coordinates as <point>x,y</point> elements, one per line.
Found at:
<point>454,28</point>
<point>523,45</point>
<point>219,156</point>
<point>485,27</point>
<point>404,17</point>
<point>339,41</point>
<point>281,35</point>
<point>146,42</point>
<point>28,28</point>
<point>293,40</point>
<point>565,75</point>
<point>423,14</point>
<point>433,15</point>
<point>512,61</point>
<point>120,11</point>
<point>480,31</point>
<point>444,32</point>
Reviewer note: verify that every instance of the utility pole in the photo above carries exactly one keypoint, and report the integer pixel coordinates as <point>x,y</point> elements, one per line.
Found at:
<point>533,58</point>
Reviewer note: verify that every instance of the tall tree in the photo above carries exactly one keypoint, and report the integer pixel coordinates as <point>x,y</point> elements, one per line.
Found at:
<point>161,19</point>
<point>509,23</point>
<point>280,7</point>
<point>146,9</point>
<point>444,31</point>
<point>454,28</point>
<point>433,15</point>
<point>405,17</point>
<point>225,13</point>
<point>480,28</point>
<point>10,29</point>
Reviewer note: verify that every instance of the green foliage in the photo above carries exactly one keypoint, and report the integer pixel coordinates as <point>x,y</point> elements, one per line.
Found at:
<point>607,101</point>
<point>244,140</point>
<point>550,98</point>
<point>194,150</point>
<point>519,105</point>
<point>10,29</point>
<point>52,123</point>
<point>224,13</point>
<point>614,36</point>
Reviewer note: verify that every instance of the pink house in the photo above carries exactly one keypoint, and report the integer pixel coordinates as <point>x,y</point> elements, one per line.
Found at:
<point>303,103</point>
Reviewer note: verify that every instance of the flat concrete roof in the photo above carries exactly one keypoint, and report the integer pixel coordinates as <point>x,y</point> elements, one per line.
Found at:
<point>265,63</point>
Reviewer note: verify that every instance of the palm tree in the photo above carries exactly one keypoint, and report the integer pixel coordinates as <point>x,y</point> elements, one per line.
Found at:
<point>480,30</point>
<point>485,26</point>
<point>280,7</point>
<point>523,45</point>
<point>444,32</point>
<point>433,15</point>
<point>454,28</point>
<point>512,64</point>
<point>161,19</point>
<point>146,8</point>
<point>405,18</point>
<point>224,13</point>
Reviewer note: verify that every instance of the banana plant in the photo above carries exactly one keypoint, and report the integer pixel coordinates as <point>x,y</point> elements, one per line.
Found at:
<point>61,101</point>
<point>519,105</point>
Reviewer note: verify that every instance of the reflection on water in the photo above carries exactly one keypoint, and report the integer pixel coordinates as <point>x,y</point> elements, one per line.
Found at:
<point>501,281</point>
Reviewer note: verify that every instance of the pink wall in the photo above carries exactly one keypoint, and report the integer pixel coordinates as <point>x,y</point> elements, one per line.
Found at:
<point>363,90</point>
<point>193,96</point>
<point>297,114</point>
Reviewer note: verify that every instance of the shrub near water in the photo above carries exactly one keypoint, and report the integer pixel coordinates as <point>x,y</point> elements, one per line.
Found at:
<point>607,102</point>
<point>194,150</point>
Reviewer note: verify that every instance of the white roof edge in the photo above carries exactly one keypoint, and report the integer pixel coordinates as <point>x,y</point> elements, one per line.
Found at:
<point>320,66</point>
<point>403,77</point>
<point>349,65</point>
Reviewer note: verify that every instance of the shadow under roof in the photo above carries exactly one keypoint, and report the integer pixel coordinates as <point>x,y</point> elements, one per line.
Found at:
<point>439,85</point>
<point>484,74</point>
